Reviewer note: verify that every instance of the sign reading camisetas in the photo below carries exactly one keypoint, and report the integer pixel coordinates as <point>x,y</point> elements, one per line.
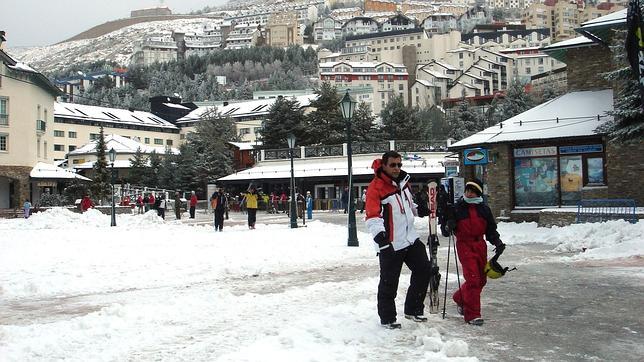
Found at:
<point>535,151</point>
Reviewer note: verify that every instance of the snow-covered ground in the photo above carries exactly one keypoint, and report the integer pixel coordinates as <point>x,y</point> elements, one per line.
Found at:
<point>154,290</point>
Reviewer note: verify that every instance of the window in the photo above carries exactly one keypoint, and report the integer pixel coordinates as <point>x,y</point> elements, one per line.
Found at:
<point>71,148</point>
<point>4,140</point>
<point>94,136</point>
<point>158,141</point>
<point>59,148</point>
<point>72,134</point>
<point>4,111</point>
<point>168,142</point>
<point>402,87</point>
<point>41,125</point>
<point>58,133</point>
<point>45,148</point>
<point>147,140</point>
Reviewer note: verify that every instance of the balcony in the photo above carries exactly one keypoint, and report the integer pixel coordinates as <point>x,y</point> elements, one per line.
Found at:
<point>41,126</point>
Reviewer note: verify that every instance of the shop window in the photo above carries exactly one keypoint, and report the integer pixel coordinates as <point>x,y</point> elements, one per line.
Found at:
<point>535,181</point>
<point>571,179</point>
<point>595,168</point>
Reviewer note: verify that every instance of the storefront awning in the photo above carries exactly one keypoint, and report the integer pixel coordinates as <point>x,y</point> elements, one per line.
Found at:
<point>47,171</point>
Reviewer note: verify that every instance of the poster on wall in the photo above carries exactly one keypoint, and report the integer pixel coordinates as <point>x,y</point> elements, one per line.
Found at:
<point>571,179</point>
<point>535,181</point>
<point>596,171</point>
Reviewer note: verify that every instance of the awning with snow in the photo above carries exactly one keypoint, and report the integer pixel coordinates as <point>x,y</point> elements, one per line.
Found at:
<point>47,171</point>
<point>573,114</point>
<point>416,163</point>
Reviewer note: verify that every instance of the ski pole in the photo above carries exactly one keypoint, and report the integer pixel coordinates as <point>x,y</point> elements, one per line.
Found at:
<point>458,277</point>
<point>446,274</point>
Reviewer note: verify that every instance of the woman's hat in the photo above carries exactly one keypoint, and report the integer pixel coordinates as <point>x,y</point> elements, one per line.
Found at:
<point>476,186</point>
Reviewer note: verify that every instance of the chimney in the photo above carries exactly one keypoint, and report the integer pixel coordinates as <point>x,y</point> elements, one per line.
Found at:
<point>2,38</point>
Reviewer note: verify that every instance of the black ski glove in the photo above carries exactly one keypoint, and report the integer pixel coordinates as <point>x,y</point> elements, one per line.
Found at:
<point>381,240</point>
<point>500,247</point>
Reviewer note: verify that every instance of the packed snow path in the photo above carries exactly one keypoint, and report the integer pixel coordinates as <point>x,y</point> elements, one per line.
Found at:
<point>177,292</point>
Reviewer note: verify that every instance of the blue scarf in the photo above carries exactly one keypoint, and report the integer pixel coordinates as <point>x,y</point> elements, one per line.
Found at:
<point>473,200</point>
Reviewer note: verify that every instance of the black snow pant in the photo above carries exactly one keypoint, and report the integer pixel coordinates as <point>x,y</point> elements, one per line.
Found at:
<point>252,213</point>
<point>192,211</point>
<point>415,257</point>
<point>219,220</point>
<point>161,213</point>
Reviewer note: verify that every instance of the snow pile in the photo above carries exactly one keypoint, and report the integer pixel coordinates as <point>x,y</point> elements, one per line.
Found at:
<point>607,240</point>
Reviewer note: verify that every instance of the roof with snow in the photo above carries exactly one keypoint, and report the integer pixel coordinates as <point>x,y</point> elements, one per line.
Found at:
<point>110,115</point>
<point>256,107</point>
<point>574,114</point>
<point>600,28</point>
<point>414,164</point>
<point>48,171</point>
<point>39,78</point>
<point>122,145</point>
<point>559,50</point>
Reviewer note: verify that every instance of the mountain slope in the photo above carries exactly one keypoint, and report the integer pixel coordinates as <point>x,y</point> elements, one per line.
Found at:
<point>115,46</point>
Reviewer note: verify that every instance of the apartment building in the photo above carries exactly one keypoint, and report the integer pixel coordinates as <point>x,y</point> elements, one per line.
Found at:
<point>360,25</point>
<point>530,61</point>
<point>380,5</point>
<point>326,29</point>
<point>398,22</point>
<point>75,125</point>
<point>421,47</point>
<point>156,49</point>
<point>244,36</point>
<point>439,22</point>
<point>563,17</point>
<point>26,116</point>
<point>387,80</point>
<point>282,30</point>
<point>78,83</point>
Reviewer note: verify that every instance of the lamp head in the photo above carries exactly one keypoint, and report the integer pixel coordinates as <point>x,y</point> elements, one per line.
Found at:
<point>291,140</point>
<point>112,155</point>
<point>347,105</point>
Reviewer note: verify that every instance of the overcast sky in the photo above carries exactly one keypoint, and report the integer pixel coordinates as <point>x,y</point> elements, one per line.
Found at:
<point>43,22</point>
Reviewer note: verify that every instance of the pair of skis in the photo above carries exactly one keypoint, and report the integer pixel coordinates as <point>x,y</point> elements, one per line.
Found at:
<point>432,245</point>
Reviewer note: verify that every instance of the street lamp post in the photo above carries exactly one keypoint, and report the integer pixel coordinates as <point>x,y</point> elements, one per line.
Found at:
<point>348,105</point>
<point>291,145</point>
<point>112,155</point>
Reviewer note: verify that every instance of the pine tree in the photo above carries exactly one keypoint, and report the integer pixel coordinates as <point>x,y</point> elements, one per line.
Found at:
<point>363,126</point>
<point>399,121</point>
<point>101,185</point>
<point>628,114</point>
<point>168,172</point>
<point>210,143</point>
<point>516,101</point>
<point>465,121</point>
<point>437,128</point>
<point>138,167</point>
<point>325,124</point>
<point>284,117</point>
<point>151,175</point>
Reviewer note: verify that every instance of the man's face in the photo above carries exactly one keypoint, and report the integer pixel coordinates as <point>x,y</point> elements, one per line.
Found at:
<point>392,167</point>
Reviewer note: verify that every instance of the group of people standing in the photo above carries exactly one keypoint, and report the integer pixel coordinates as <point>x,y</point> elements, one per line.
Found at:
<point>391,209</point>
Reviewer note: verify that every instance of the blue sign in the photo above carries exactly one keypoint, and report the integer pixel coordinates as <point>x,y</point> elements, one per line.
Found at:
<point>580,149</point>
<point>475,156</point>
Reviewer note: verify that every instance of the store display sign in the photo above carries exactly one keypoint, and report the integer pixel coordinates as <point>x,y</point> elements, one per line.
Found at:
<point>535,151</point>
<point>475,156</point>
<point>581,149</point>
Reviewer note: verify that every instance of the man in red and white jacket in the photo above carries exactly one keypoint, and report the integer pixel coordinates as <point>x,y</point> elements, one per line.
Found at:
<point>390,219</point>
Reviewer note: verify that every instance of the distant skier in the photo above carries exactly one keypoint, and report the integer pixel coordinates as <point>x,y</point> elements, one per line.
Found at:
<point>390,219</point>
<point>469,221</point>
<point>193,204</point>
<point>251,206</point>
<point>27,208</point>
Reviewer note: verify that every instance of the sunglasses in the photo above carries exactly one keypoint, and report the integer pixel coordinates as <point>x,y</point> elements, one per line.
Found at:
<point>392,165</point>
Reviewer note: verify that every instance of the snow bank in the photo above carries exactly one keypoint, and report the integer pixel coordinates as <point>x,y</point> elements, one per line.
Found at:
<point>607,240</point>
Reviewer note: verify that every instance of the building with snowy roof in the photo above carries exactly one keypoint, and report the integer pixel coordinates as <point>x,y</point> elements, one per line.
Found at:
<point>76,125</point>
<point>323,169</point>
<point>247,115</point>
<point>556,154</point>
<point>83,159</point>
<point>26,136</point>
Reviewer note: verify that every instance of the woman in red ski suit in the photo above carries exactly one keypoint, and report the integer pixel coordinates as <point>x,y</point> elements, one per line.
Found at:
<point>472,219</point>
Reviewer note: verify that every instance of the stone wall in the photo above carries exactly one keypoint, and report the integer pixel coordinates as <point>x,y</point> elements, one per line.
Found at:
<point>19,175</point>
<point>625,173</point>
<point>585,67</point>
